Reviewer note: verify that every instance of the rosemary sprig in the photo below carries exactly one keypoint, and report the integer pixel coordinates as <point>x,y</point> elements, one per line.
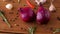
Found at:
<point>4,18</point>
<point>31,30</point>
<point>56,31</point>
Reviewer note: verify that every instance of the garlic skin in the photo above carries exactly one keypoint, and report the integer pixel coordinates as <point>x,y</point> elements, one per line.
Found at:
<point>40,1</point>
<point>52,7</point>
<point>9,6</point>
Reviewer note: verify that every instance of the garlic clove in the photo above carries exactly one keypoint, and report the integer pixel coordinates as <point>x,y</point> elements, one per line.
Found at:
<point>9,6</point>
<point>52,7</point>
<point>42,1</point>
<point>37,1</point>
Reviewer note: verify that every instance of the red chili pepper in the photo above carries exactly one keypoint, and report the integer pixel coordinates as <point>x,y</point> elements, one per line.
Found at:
<point>31,5</point>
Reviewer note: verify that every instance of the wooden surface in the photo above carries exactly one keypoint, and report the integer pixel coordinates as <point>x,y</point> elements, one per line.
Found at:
<point>41,29</point>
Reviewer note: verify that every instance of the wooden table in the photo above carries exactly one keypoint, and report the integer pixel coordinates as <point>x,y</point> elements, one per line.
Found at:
<point>21,26</point>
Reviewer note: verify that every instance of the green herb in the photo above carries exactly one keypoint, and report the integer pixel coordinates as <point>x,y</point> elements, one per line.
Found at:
<point>31,30</point>
<point>56,30</point>
<point>4,18</point>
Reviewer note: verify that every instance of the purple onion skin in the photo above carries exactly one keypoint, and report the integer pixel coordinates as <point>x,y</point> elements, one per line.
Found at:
<point>43,15</point>
<point>27,14</point>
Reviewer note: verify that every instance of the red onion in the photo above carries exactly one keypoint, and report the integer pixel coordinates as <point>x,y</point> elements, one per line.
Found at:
<point>43,15</point>
<point>27,14</point>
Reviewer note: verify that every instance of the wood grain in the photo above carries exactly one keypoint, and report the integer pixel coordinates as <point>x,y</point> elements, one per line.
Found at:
<point>41,29</point>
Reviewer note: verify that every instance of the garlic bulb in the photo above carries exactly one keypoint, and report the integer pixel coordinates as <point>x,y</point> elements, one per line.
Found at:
<point>9,6</point>
<point>52,7</point>
<point>40,1</point>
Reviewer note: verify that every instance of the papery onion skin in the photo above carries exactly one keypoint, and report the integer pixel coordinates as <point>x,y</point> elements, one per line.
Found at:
<point>27,14</point>
<point>43,15</point>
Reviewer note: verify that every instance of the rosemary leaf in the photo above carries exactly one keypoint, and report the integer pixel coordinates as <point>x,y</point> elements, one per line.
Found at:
<point>4,18</point>
<point>32,30</point>
<point>56,30</point>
